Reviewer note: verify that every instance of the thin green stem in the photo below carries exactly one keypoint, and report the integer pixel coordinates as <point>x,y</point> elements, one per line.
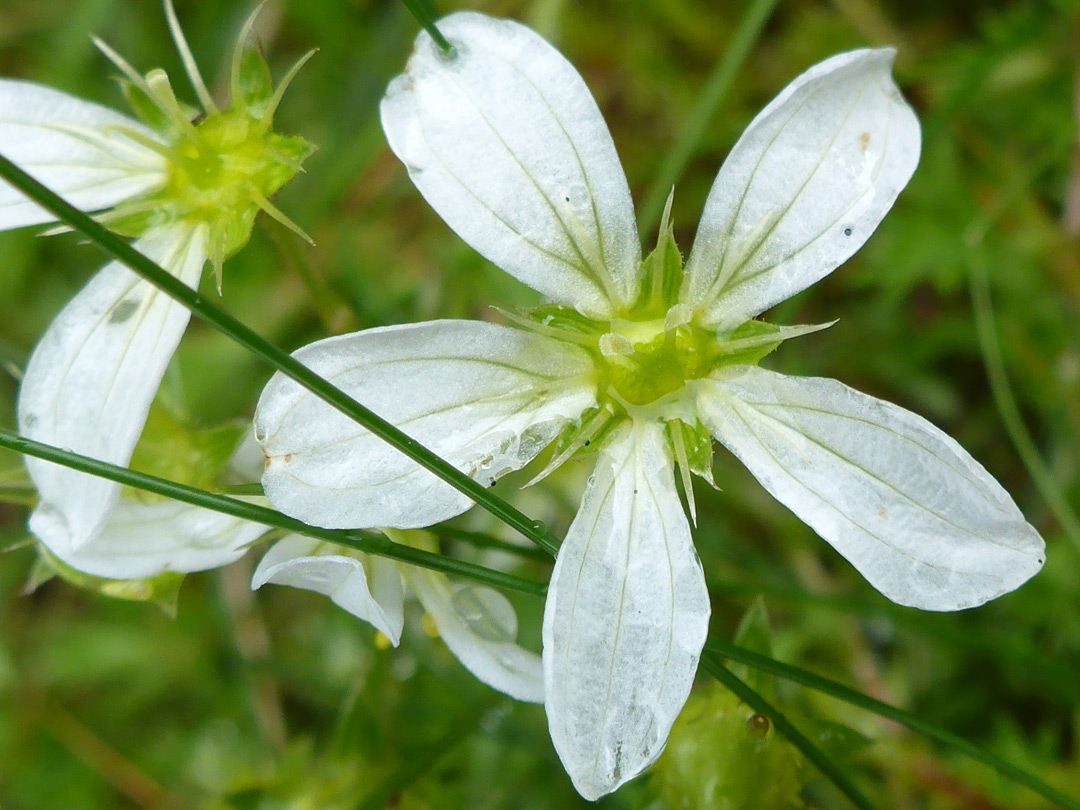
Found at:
<point>423,15</point>
<point>1014,187</point>
<point>1008,410</point>
<point>819,758</point>
<point>481,540</point>
<point>366,541</point>
<point>855,698</point>
<point>287,365</point>
<point>717,86</point>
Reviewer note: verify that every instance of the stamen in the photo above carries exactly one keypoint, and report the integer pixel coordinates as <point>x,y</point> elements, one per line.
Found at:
<point>188,59</point>
<point>588,431</point>
<point>615,345</point>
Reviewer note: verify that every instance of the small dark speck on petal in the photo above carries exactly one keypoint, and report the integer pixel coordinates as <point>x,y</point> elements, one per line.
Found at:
<point>847,231</point>
<point>122,311</point>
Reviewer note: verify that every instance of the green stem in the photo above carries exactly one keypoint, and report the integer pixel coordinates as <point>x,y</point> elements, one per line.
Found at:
<point>819,758</point>
<point>855,698</point>
<point>366,541</point>
<point>717,86</point>
<point>1008,410</point>
<point>258,345</point>
<point>481,540</point>
<point>426,19</point>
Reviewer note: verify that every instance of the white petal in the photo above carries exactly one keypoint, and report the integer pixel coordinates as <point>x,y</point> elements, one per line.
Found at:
<point>904,503</point>
<point>627,614</point>
<point>366,586</point>
<point>91,379</point>
<point>506,143</point>
<point>804,187</point>
<point>142,540</point>
<point>479,626</point>
<point>484,397</point>
<point>75,148</point>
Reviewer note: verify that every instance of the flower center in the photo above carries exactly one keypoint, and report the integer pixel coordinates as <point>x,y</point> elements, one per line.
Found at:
<point>223,170</point>
<point>644,361</point>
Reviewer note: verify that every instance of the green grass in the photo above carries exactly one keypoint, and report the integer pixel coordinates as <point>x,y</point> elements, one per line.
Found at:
<point>281,700</point>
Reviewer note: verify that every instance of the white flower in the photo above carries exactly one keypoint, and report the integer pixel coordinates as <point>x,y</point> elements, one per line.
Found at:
<point>186,190</point>
<point>647,361</point>
<point>478,624</point>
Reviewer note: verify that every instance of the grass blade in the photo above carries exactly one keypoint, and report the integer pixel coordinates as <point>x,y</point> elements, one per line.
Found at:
<point>856,698</point>
<point>716,89</point>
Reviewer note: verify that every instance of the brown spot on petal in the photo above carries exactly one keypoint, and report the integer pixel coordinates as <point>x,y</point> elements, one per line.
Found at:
<point>864,141</point>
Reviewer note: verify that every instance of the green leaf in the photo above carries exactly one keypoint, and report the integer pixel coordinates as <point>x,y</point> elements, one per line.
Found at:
<point>174,449</point>
<point>662,270</point>
<point>837,740</point>
<point>162,590</point>
<point>721,755</point>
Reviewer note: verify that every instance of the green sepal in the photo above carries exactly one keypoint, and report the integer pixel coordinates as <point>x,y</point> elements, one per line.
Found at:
<point>572,435</point>
<point>754,355</point>
<point>699,448</point>
<point>162,590</point>
<point>721,756</point>
<point>662,271</point>
<point>556,318</point>
<point>174,449</point>
<point>254,86</point>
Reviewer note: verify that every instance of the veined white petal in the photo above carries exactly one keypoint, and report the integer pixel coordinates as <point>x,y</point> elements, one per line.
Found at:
<point>803,189</point>
<point>76,148</point>
<point>506,143</point>
<point>142,540</point>
<point>904,503</point>
<point>366,586</point>
<point>627,614</point>
<point>486,398</point>
<point>479,626</point>
<point>91,379</point>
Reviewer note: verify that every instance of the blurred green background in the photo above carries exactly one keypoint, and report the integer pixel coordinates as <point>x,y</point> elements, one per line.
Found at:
<point>280,700</point>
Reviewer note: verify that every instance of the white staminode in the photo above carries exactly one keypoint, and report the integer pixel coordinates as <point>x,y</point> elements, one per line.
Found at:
<point>171,184</point>
<point>648,360</point>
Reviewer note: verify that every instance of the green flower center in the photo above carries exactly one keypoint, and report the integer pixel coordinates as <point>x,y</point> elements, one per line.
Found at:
<point>222,172</point>
<point>644,361</point>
